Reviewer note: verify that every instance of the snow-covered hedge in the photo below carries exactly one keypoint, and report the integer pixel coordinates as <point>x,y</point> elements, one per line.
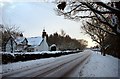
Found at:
<point>24,56</point>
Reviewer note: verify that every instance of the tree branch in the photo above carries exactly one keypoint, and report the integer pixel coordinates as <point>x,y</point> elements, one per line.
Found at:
<point>113,10</point>
<point>101,29</point>
<point>95,10</point>
<point>114,28</point>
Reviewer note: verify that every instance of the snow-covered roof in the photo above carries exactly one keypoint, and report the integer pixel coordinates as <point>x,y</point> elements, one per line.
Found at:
<point>19,40</point>
<point>53,45</point>
<point>34,40</point>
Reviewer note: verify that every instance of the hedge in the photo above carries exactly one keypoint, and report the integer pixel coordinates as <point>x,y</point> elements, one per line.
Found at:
<point>11,57</point>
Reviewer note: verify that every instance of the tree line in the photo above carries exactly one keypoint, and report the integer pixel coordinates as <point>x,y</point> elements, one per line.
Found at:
<point>65,42</point>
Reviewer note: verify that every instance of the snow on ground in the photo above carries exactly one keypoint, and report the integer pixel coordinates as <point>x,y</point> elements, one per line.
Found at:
<point>27,64</point>
<point>100,66</point>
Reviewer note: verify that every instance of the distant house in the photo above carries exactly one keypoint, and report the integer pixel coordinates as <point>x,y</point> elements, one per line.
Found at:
<point>22,44</point>
<point>38,43</point>
<point>18,44</point>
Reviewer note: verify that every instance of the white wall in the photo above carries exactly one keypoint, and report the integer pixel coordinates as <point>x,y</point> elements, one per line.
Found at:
<point>43,46</point>
<point>8,46</point>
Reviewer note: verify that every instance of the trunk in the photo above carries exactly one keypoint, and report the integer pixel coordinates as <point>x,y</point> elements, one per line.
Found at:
<point>103,51</point>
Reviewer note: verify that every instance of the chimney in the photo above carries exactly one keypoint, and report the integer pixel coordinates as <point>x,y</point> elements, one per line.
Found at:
<point>43,33</point>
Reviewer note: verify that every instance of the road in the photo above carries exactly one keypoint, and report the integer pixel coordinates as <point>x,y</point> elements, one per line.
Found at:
<point>68,66</point>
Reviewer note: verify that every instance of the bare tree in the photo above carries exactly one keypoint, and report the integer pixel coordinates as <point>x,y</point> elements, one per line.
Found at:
<point>97,34</point>
<point>106,13</point>
<point>112,45</point>
<point>6,33</point>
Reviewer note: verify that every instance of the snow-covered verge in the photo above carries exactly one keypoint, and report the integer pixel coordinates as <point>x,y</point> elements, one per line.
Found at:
<point>100,66</point>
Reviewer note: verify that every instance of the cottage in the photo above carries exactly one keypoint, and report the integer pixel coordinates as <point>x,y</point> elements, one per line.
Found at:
<point>38,43</point>
<point>19,44</point>
<point>22,44</point>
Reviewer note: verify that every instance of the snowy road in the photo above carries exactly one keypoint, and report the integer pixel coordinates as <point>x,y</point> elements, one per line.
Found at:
<point>68,66</point>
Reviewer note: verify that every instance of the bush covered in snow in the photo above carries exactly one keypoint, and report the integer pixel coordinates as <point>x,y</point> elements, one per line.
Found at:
<point>15,57</point>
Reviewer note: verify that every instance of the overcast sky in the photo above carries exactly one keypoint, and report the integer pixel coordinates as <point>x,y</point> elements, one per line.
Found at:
<point>32,17</point>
